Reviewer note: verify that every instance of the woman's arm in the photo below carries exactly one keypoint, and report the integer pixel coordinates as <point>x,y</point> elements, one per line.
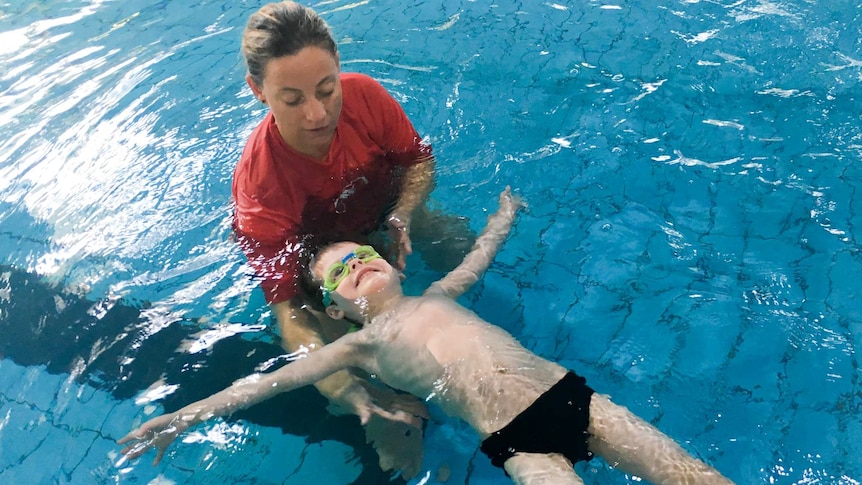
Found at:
<point>417,184</point>
<point>487,244</point>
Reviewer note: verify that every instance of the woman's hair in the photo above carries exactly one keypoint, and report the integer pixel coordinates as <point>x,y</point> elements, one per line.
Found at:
<point>282,29</point>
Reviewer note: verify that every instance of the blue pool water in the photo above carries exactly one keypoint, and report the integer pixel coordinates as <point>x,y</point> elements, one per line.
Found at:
<point>691,246</point>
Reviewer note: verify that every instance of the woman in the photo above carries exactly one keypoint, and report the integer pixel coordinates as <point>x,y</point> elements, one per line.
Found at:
<point>336,157</point>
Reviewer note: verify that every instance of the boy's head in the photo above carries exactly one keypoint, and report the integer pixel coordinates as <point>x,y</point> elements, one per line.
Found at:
<point>354,279</point>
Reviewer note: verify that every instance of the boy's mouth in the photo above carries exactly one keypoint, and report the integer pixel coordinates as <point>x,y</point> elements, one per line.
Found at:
<point>362,272</point>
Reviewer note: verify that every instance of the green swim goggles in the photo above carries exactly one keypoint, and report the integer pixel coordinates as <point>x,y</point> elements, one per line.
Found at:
<point>338,271</point>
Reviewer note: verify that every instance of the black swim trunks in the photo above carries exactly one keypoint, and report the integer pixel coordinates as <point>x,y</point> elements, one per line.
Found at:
<point>556,422</point>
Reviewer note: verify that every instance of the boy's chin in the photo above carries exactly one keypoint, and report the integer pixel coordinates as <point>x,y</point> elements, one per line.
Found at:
<point>374,293</point>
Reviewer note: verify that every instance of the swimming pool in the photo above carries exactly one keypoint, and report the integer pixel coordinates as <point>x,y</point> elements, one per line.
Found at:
<point>690,244</point>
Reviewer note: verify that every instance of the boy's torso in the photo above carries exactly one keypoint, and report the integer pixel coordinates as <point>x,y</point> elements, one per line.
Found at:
<point>436,349</point>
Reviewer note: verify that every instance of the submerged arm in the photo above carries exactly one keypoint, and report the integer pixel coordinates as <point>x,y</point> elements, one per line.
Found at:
<point>301,329</point>
<point>487,244</point>
<point>417,184</point>
<point>392,421</point>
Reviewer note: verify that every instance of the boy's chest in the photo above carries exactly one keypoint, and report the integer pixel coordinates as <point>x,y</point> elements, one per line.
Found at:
<point>416,356</point>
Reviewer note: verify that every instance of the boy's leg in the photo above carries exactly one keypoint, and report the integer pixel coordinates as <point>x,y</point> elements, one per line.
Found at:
<point>541,469</point>
<point>631,444</point>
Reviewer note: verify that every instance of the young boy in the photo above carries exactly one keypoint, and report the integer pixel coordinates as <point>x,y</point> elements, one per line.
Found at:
<point>535,417</point>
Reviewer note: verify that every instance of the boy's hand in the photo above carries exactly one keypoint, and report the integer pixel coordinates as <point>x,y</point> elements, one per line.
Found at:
<point>511,202</point>
<point>156,433</point>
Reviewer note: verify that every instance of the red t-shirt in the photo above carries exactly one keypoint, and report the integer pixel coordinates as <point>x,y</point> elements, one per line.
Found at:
<point>285,200</point>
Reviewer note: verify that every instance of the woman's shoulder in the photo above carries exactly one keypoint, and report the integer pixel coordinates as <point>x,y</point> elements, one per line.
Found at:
<point>361,86</point>
<point>357,79</point>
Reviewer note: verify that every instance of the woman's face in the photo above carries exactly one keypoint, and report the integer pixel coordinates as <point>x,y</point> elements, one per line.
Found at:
<point>304,93</point>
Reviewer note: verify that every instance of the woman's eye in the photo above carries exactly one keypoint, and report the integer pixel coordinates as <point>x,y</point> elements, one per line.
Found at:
<point>325,94</point>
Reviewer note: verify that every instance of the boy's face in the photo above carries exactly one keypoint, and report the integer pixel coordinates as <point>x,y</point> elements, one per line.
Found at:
<point>367,278</point>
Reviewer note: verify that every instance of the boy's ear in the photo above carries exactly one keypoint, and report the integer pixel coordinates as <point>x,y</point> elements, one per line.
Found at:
<point>334,312</point>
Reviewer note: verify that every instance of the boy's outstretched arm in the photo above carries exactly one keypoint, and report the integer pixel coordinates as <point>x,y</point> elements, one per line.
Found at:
<point>487,244</point>
<point>161,431</point>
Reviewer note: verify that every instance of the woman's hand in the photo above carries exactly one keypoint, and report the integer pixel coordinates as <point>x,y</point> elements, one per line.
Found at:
<point>393,424</point>
<point>156,433</point>
<point>398,226</point>
<point>366,401</point>
<point>394,429</point>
